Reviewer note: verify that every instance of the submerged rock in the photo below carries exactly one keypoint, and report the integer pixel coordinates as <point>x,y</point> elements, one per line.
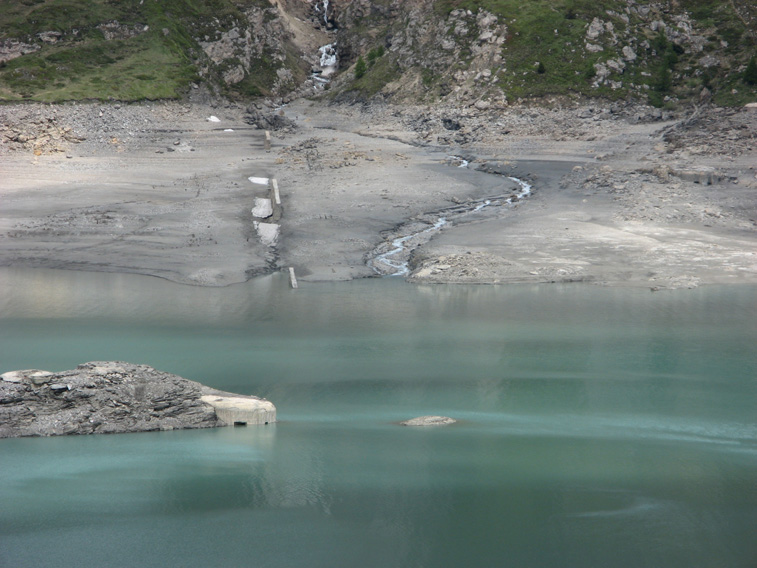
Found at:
<point>429,421</point>
<point>113,397</point>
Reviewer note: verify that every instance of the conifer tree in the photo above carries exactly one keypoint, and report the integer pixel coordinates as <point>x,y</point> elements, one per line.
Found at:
<point>750,74</point>
<point>360,67</point>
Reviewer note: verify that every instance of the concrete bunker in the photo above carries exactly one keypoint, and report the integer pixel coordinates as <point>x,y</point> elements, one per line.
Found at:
<point>242,411</point>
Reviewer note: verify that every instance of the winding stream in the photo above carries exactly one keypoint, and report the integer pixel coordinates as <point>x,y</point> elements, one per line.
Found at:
<point>391,258</point>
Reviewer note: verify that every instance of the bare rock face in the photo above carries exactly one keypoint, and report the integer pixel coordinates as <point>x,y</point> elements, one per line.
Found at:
<point>429,421</point>
<point>240,48</point>
<point>112,397</point>
<point>12,48</point>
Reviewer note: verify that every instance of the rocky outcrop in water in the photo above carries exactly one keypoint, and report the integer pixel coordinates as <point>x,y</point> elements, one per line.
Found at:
<point>429,421</point>
<point>114,397</point>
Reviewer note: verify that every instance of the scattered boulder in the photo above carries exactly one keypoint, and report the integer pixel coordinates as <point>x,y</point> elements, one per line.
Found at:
<point>263,208</point>
<point>269,120</point>
<point>450,123</point>
<point>267,232</point>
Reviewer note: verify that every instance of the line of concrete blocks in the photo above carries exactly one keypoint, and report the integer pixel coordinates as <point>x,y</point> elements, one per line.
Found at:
<point>265,208</point>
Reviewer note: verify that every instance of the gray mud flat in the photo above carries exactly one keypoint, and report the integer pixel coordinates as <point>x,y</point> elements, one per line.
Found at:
<point>616,202</point>
<point>174,203</point>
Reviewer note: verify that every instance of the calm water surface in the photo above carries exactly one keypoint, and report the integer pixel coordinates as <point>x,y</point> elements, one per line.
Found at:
<point>598,427</point>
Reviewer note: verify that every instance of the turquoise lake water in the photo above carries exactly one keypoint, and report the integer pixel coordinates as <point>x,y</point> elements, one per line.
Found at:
<point>598,427</point>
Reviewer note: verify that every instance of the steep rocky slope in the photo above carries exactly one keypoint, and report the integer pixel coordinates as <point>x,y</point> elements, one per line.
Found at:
<point>495,51</point>
<point>485,52</point>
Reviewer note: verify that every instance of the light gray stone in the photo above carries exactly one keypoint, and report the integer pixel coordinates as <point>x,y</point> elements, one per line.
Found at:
<point>263,208</point>
<point>234,410</point>
<point>703,175</point>
<point>429,421</point>
<point>267,232</point>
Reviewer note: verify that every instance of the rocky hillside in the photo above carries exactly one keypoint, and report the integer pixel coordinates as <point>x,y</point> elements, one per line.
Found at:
<point>483,52</point>
<point>54,50</point>
<point>493,51</point>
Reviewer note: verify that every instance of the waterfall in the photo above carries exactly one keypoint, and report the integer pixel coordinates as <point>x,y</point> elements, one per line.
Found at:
<point>325,10</point>
<point>327,61</point>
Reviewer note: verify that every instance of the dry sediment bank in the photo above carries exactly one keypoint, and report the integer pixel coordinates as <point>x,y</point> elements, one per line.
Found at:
<point>159,189</point>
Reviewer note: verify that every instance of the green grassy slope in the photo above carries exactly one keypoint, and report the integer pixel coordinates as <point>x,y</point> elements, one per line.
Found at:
<point>152,53</point>
<point>552,32</point>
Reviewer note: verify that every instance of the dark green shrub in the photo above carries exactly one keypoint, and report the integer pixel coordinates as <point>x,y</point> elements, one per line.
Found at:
<point>660,43</point>
<point>750,73</point>
<point>374,54</point>
<point>360,68</point>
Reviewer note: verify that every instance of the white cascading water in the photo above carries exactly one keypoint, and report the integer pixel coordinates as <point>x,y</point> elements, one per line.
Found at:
<point>325,10</point>
<point>328,55</point>
<point>327,62</point>
<point>402,268</point>
<point>327,59</point>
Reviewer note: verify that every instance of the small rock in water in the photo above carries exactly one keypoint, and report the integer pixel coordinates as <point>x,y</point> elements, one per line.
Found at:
<point>429,421</point>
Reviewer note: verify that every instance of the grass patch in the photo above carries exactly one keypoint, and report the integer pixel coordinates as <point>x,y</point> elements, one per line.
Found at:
<point>142,67</point>
<point>544,50</point>
<point>22,19</point>
<point>382,72</point>
<point>157,63</point>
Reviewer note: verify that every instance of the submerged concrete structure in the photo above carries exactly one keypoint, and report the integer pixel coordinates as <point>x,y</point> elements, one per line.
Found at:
<point>241,410</point>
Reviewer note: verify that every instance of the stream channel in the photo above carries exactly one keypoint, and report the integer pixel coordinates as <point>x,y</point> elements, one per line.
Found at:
<point>392,258</point>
